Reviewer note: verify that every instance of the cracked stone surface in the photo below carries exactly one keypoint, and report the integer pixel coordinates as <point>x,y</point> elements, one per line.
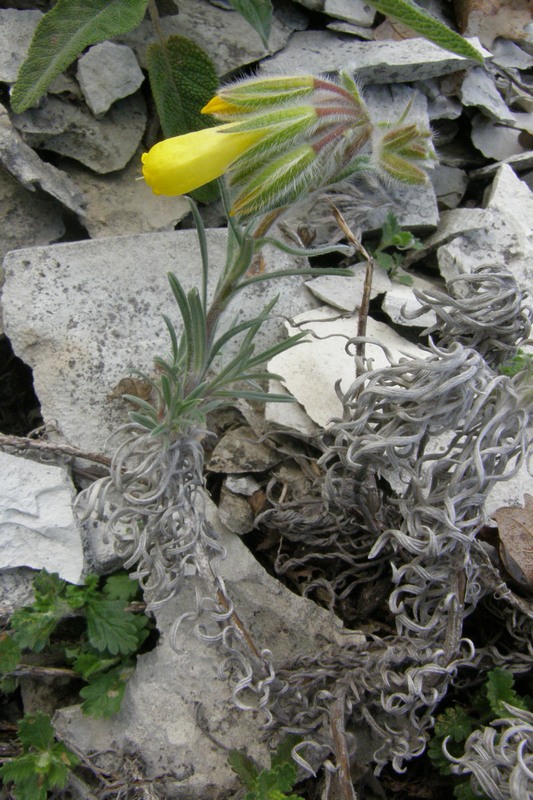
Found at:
<point>82,314</point>
<point>107,73</point>
<point>38,528</point>
<point>157,718</point>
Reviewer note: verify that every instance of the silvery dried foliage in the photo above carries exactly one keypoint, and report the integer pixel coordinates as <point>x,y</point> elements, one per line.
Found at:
<point>442,428</point>
<point>500,757</point>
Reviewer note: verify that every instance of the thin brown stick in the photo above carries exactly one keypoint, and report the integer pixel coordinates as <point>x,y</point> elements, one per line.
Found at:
<point>342,781</point>
<point>367,287</point>
<point>24,443</point>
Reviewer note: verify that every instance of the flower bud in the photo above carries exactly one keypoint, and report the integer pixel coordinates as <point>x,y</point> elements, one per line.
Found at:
<point>396,151</point>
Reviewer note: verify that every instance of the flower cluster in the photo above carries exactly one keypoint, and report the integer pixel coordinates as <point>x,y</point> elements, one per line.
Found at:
<point>282,137</point>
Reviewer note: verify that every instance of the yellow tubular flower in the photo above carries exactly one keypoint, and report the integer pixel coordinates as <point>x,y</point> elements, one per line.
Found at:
<point>184,163</point>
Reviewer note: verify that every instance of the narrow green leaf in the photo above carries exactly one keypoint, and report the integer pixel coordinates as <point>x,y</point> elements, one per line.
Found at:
<point>183,79</point>
<point>62,34</point>
<point>258,13</point>
<point>427,26</point>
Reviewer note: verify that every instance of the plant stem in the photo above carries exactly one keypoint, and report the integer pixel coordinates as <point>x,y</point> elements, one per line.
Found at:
<point>367,288</point>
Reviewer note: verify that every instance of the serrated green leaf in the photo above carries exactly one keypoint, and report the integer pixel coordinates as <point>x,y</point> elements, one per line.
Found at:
<point>35,731</point>
<point>499,689</point>
<point>455,722</point>
<point>10,653</point>
<point>103,695</point>
<point>44,764</point>
<point>427,26</point>
<point>121,587</point>
<point>31,629</point>
<point>111,628</point>
<point>258,13</point>
<point>183,79</point>
<point>87,664</point>
<point>244,767</point>
<point>62,34</point>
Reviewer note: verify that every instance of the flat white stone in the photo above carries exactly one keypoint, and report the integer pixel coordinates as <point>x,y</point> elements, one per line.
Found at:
<point>107,73</point>
<point>479,89</point>
<point>450,184</point>
<point>224,34</point>
<point>509,55</point>
<point>289,415</point>
<point>495,141</point>
<point>37,526</point>
<point>83,314</point>
<point>119,203</point>
<point>400,301</point>
<point>157,718</point>
<point>16,30</point>
<point>311,370</point>
<point>504,237</point>
<point>70,129</point>
<point>375,62</point>
<point>345,292</point>
<point>355,11</point>
<point>31,172</point>
<point>18,206</point>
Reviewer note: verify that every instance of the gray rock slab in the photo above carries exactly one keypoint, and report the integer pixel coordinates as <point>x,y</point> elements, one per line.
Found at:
<point>119,203</point>
<point>32,172</point>
<point>439,106</point>
<point>107,73</point>
<point>69,129</point>
<point>345,293</point>
<point>355,11</point>
<point>157,719</point>
<point>16,30</point>
<point>495,141</point>
<point>82,314</point>
<point>374,62</point>
<point>339,26</point>
<point>504,237</point>
<point>228,39</point>
<point>38,528</point>
<point>479,89</point>
<point>312,370</point>
<point>510,55</point>
<point>450,184</point>
<point>239,450</point>
<point>17,206</point>
<point>400,302</point>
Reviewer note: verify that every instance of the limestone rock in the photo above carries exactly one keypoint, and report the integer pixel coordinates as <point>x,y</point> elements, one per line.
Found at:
<point>495,141</point>
<point>223,34</point>
<point>479,89</point>
<point>16,31</point>
<point>17,206</point>
<point>355,11</point>
<point>157,720</point>
<point>82,314</point>
<point>503,235</point>
<point>103,145</point>
<point>311,370</point>
<point>37,525</point>
<point>25,165</point>
<point>450,184</point>
<point>119,203</point>
<point>107,73</point>
<point>345,292</point>
<point>373,62</point>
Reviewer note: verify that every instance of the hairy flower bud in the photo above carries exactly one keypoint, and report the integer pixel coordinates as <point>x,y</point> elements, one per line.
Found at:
<point>283,137</point>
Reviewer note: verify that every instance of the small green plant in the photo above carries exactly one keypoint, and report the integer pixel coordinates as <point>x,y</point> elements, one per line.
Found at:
<point>456,723</point>
<point>268,784</point>
<point>101,650</point>
<point>521,362</point>
<point>43,764</point>
<point>395,239</point>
